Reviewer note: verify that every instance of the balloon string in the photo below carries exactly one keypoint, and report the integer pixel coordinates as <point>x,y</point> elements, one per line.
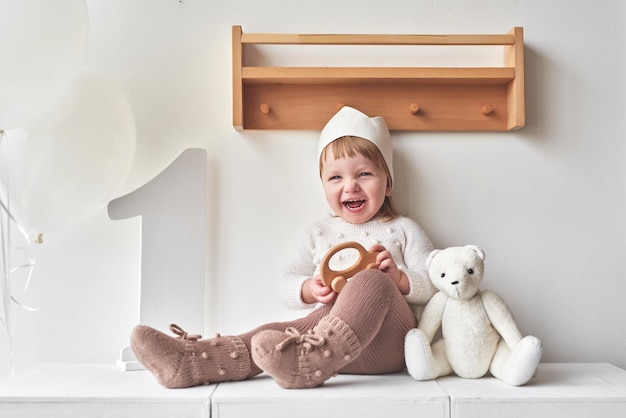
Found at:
<point>7,220</point>
<point>20,228</point>
<point>29,266</point>
<point>6,287</point>
<point>6,282</point>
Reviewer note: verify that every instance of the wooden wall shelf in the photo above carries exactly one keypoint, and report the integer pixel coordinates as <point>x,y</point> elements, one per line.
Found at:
<point>409,98</point>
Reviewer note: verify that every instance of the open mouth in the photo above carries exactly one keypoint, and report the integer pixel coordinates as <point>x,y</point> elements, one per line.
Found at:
<point>355,204</point>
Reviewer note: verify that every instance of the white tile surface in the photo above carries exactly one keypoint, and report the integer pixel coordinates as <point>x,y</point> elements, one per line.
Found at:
<point>572,390</point>
<point>97,390</point>
<point>343,396</point>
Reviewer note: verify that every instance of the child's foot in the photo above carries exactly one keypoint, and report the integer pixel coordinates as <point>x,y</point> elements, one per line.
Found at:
<point>188,361</point>
<point>298,361</point>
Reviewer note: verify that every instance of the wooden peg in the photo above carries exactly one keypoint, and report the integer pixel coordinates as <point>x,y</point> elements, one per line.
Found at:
<point>338,279</point>
<point>264,108</point>
<point>414,108</point>
<point>486,109</point>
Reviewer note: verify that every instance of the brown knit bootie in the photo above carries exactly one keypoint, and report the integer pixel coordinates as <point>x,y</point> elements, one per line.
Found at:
<point>298,361</point>
<point>187,360</point>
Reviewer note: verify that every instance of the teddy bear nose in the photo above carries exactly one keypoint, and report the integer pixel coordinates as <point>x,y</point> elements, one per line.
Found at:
<point>455,282</point>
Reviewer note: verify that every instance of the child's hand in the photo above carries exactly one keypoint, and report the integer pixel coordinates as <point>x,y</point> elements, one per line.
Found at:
<point>315,291</point>
<point>389,267</point>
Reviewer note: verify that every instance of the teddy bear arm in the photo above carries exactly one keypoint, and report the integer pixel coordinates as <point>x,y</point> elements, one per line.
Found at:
<point>501,318</point>
<point>430,320</point>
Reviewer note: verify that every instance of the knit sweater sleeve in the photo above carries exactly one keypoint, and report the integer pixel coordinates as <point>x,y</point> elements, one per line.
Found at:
<point>415,250</point>
<point>298,270</point>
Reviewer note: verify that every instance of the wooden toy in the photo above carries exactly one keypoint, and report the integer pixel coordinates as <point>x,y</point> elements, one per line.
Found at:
<point>338,279</point>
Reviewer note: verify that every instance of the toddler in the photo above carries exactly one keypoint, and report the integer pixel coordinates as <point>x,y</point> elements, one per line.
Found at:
<point>358,331</point>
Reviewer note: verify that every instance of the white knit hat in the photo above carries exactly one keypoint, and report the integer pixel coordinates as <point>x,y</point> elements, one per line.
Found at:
<point>351,122</point>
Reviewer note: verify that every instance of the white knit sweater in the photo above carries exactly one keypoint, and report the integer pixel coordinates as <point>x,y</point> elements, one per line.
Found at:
<point>402,237</point>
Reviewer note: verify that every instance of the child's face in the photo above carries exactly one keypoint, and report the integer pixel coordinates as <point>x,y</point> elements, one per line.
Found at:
<point>355,187</point>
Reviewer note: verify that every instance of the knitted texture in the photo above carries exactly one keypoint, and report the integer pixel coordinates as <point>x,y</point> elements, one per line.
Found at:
<point>402,237</point>
<point>378,314</point>
<point>187,360</point>
<point>298,361</point>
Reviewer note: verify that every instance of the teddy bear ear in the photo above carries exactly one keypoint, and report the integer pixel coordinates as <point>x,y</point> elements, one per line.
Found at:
<point>477,250</point>
<point>430,257</point>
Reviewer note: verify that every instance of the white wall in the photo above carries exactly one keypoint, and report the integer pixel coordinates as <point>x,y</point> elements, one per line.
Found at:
<point>546,203</point>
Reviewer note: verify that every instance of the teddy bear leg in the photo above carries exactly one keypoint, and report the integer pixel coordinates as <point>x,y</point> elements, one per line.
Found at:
<point>516,367</point>
<point>423,361</point>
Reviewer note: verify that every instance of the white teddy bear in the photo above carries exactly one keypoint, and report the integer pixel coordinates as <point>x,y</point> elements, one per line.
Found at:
<point>479,331</point>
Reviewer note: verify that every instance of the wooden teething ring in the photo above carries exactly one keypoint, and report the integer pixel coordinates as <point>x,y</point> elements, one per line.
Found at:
<point>338,279</point>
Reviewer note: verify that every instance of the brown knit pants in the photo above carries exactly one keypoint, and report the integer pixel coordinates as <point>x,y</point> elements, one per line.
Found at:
<point>372,306</point>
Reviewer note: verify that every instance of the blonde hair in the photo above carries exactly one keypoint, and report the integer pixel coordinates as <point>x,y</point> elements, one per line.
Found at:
<point>350,146</point>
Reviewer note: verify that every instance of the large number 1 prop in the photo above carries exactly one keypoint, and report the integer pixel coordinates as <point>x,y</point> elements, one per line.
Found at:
<point>173,210</point>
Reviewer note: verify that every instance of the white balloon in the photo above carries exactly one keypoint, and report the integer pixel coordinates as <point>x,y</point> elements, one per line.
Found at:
<point>42,44</point>
<point>69,163</point>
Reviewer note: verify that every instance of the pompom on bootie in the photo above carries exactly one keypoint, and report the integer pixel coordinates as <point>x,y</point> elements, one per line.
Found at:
<point>298,361</point>
<point>186,360</point>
